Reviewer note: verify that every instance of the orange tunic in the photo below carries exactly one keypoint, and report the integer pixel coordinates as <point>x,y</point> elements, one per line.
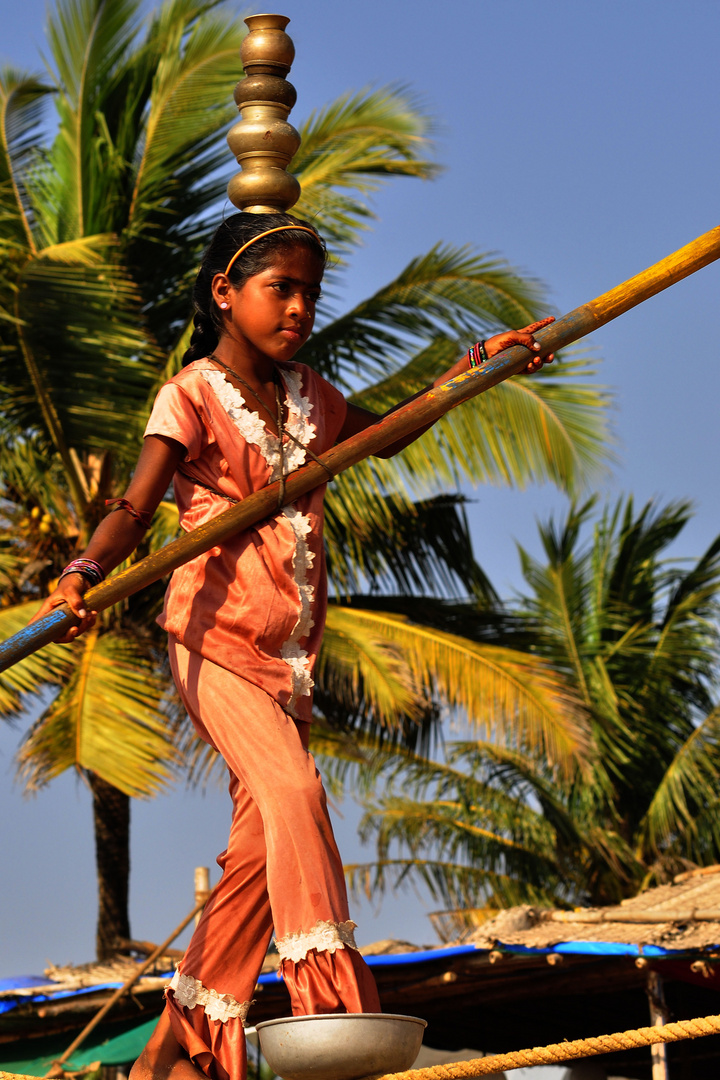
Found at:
<point>256,605</point>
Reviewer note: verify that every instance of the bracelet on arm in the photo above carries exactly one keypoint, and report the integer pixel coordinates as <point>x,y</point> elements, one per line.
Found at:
<point>477,354</point>
<point>89,569</point>
<point>143,516</point>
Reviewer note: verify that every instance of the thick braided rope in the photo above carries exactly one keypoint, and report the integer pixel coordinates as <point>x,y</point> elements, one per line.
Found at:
<point>556,1052</point>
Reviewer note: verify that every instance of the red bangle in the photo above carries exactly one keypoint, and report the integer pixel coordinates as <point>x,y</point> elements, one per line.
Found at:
<point>143,516</point>
<point>477,354</point>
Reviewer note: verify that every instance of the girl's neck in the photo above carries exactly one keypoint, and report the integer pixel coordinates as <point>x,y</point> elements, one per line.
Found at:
<point>258,369</point>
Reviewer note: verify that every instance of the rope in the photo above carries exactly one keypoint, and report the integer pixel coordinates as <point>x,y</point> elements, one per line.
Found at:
<point>566,1051</point>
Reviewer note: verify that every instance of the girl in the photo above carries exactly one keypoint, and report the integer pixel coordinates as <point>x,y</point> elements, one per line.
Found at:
<point>244,623</point>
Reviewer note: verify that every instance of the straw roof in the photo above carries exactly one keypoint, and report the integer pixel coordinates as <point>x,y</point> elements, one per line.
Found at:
<point>683,915</point>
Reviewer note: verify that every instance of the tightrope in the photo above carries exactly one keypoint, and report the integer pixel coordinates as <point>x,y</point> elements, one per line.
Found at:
<point>565,1051</point>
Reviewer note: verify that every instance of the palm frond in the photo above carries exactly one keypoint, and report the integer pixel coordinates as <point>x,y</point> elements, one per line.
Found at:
<point>22,100</point>
<point>383,542</point>
<point>519,783</point>
<point>452,884</point>
<point>89,40</point>
<point>194,56</point>
<point>33,483</point>
<point>514,695</point>
<point>349,148</point>
<point>72,304</point>
<point>447,293</point>
<point>173,362</point>
<point>689,785</point>
<point>107,719</point>
<point>362,671</point>
<point>551,427</point>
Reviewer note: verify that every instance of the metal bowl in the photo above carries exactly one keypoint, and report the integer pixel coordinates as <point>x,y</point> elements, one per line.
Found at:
<point>340,1046</point>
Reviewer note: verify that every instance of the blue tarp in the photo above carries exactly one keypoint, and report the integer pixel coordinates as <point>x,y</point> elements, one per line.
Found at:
<point>24,982</point>
<point>599,948</point>
<point>571,948</point>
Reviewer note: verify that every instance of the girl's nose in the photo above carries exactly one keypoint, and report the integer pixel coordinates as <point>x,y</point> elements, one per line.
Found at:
<point>298,306</point>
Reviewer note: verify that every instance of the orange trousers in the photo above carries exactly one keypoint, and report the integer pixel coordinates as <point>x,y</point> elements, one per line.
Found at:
<point>281,871</point>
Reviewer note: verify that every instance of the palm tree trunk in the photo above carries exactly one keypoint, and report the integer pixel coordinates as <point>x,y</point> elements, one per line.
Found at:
<point>111,815</point>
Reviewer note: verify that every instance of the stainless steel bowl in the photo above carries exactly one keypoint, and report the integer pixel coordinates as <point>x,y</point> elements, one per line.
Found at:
<point>340,1046</point>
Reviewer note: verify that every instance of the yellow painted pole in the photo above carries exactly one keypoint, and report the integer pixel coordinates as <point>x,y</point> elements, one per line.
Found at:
<point>425,409</point>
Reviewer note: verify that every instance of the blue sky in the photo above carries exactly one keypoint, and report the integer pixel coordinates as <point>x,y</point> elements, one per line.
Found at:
<point>579,140</point>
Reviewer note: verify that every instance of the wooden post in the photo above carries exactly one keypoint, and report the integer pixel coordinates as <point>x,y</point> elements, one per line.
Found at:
<point>423,410</point>
<point>202,889</point>
<point>658,1016</point>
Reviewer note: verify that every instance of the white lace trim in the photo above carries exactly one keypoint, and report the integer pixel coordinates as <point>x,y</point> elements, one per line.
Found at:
<point>245,420</point>
<point>324,937</point>
<point>294,656</point>
<point>223,1007</point>
<point>250,425</point>
<point>298,422</point>
<point>253,430</point>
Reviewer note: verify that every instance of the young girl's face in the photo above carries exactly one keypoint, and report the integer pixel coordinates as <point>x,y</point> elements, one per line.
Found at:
<point>272,314</point>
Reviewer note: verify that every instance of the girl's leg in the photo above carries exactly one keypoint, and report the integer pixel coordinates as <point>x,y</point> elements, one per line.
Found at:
<point>163,1058</point>
<point>268,753</point>
<point>213,987</point>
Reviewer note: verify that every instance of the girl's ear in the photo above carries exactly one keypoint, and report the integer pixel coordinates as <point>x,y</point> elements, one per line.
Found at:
<point>221,291</point>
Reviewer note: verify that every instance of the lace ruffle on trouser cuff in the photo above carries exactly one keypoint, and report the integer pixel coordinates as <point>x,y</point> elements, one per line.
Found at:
<point>190,992</point>
<point>324,937</point>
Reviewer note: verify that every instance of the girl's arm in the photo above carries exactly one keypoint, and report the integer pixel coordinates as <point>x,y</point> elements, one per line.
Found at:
<point>119,533</point>
<point>359,419</point>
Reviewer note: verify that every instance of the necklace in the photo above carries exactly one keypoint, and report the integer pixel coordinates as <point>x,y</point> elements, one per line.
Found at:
<point>280,425</point>
<point>278,419</point>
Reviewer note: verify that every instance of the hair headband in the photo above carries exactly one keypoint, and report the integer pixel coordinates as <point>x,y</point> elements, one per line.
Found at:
<point>280,228</point>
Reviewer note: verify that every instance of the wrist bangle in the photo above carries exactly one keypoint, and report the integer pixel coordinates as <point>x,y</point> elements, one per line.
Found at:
<point>89,569</point>
<point>477,354</point>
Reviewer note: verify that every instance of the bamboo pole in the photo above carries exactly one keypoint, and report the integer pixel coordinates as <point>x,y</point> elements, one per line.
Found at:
<point>56,1070</point>
<point>425,409</point>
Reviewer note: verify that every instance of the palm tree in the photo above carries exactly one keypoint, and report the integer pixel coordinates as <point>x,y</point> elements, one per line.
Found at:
<point>635,637</point>
<point>101,229</point>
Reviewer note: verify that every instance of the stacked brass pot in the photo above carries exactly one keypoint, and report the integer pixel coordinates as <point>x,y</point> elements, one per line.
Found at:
<point>263,142</point>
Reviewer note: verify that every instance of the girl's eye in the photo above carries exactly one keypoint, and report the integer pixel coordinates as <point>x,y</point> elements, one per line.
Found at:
<point>314,297</point>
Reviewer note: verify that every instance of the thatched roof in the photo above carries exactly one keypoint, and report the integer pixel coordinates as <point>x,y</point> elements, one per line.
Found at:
<point>684,915</point>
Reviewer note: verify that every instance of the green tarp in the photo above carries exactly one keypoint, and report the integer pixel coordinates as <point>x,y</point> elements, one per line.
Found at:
<point>34,1057</point>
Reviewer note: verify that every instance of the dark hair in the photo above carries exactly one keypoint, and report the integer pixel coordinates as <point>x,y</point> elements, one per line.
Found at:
<point>229,237</point>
